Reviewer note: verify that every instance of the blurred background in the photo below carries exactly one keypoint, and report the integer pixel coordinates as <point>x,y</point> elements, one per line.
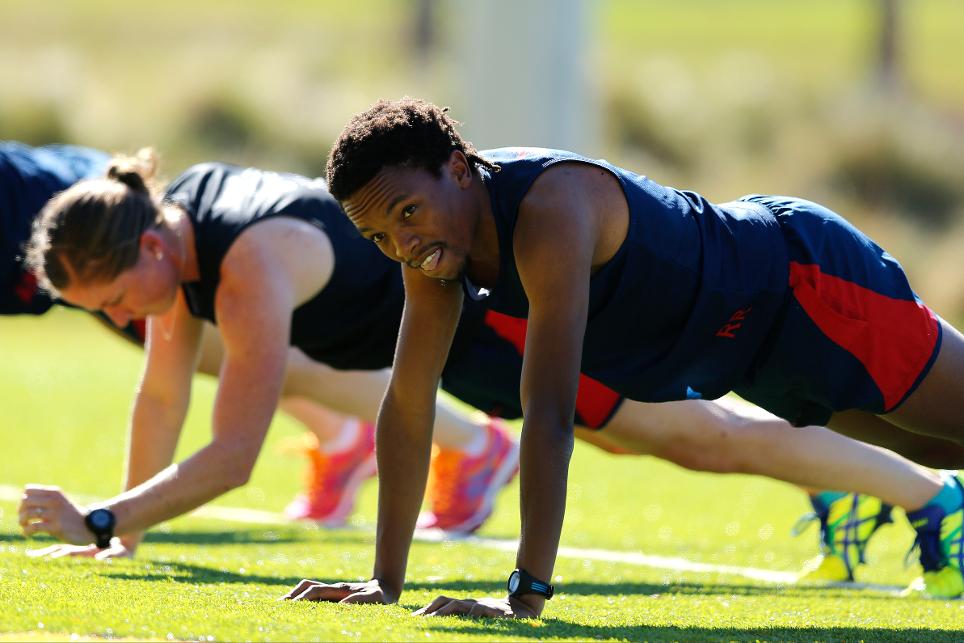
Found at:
<point>858,104</point>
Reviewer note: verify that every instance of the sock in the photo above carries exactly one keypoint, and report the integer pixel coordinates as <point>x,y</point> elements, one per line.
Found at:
<point>949,498</point>
<point>347,436</point>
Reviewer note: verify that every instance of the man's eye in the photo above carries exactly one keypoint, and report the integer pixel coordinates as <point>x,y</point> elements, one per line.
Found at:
<point>378,237</point>
<point>408,211</point>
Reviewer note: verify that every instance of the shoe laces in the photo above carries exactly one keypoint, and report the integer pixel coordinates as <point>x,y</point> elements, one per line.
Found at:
<point>812,517</point>
<point>928,547</point>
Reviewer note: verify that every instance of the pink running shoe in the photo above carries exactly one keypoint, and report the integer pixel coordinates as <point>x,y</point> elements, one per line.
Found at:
<point>462,489</point>
<point>333,480</point>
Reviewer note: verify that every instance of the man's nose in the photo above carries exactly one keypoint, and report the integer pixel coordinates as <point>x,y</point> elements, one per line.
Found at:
<point>406,245</point>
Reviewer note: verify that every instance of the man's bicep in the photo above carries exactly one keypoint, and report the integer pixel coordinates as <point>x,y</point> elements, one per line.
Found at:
<point>554,271</point>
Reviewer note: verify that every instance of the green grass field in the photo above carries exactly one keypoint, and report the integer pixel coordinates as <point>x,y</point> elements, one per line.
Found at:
<point>66,388</point>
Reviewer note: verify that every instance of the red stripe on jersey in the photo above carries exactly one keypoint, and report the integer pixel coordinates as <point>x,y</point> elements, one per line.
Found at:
<point>594,400</point>
<point>893,338</point>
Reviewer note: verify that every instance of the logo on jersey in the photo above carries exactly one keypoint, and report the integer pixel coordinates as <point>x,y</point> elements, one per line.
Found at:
<point>736,321</point>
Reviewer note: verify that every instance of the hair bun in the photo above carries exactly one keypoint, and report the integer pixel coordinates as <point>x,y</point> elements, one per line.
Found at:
<point>134,171</point>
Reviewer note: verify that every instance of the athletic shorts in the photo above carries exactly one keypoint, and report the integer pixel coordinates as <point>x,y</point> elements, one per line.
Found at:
<point>851,334</point>
<point>487,372</point>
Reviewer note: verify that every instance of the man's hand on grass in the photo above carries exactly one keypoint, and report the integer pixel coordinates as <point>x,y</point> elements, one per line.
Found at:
<point>368,592</point>
<point>509,607</point>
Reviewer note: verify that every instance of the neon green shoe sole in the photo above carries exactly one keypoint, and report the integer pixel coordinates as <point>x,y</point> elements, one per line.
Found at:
<point>825,569</point>
<point>945,583</point>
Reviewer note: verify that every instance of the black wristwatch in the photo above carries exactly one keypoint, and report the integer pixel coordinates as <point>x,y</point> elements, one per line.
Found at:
<point>521,582</point>
<point>101,523</point>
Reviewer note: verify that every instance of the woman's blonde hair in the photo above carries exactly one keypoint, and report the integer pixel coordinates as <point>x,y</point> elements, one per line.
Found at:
<point>91,231</point>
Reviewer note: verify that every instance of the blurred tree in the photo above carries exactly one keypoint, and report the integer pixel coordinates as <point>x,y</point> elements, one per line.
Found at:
<point>423,30</point>
<point>887,72</point>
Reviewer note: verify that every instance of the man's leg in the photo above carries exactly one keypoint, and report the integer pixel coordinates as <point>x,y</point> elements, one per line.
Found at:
<point>728,436</point>
<point>936,408</point>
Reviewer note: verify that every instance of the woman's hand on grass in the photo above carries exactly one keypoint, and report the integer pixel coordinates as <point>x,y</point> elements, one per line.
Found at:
<point>369,592</point>
<point>117,549</point>
<point>47,510</point>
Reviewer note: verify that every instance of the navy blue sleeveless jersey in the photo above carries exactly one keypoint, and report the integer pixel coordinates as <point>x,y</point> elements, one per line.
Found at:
<point>352,323</point>
<point>682,309</point>
<point>29,177</point>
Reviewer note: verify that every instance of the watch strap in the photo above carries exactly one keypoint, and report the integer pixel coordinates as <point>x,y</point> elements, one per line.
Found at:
<point>101,523</point>
<point>529,584</point>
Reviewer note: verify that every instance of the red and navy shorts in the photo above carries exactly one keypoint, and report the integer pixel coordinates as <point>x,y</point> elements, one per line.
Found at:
<point>487,372</point>
<point>852,334</point>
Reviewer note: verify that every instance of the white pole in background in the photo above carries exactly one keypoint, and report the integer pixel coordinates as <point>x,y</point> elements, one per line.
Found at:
<point>522,74</point>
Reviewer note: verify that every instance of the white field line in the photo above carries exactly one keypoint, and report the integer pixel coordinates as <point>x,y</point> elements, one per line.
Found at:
<point>253,516</point>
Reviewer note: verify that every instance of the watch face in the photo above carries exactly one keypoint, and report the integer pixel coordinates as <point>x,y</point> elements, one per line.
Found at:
<point>100,519</point>
<point>513,581</point>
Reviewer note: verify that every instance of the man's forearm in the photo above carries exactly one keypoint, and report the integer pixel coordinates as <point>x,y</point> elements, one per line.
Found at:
<point>543,475</point>
<point>403,450</point>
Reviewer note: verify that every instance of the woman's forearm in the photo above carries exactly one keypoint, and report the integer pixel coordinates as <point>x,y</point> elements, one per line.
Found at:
<point>179,488</point>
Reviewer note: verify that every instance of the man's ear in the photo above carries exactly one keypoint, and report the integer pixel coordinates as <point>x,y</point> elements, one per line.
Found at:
<point>460,168</point>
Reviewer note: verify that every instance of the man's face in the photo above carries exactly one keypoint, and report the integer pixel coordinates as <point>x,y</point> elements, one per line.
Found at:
<point>416,218</point>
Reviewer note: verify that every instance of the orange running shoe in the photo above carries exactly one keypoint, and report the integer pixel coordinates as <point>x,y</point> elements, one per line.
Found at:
<point>333,480</point>
<point>462,488</point>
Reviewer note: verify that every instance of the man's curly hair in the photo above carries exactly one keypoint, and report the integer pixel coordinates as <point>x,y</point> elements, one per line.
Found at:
<point>408,132</point>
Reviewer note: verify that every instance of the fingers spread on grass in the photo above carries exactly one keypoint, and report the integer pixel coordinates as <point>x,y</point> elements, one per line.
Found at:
<point>308,590</point>
<point>481,610</point>
<point>112,553</point>
<point>43,552</point>
<point>80,551</point>
<point>432,607</point>
<point>323,593</point>
<point>299,589</point>
<point>456,608</point>
<point>369,596</point>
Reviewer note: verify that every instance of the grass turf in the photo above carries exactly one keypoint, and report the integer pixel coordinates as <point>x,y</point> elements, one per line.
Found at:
<point>67,386</point>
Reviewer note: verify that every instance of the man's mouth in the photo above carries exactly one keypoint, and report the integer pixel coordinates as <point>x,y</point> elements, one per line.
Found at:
<point>430,262</point>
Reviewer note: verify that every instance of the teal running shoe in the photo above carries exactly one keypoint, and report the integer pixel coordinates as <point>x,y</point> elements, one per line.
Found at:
<point>940,543</point>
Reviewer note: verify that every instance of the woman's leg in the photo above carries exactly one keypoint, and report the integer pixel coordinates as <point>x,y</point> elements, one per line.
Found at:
<point>353,393</point>
<point>475,456</point>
